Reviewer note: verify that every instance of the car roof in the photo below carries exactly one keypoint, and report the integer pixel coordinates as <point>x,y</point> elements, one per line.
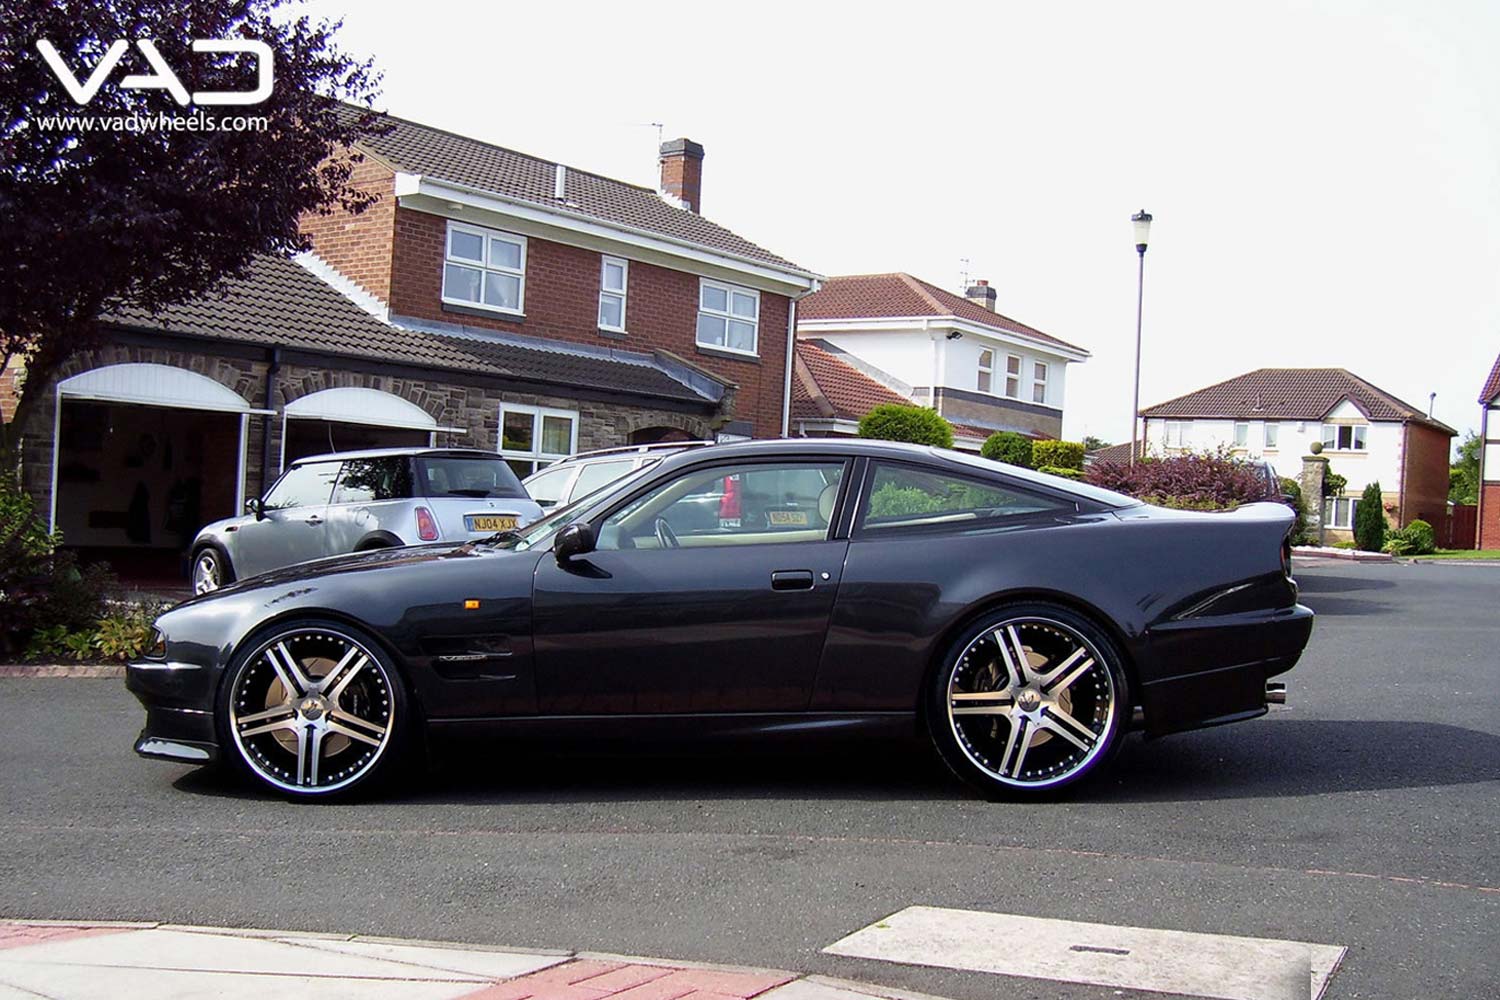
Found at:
<point>338,456</point>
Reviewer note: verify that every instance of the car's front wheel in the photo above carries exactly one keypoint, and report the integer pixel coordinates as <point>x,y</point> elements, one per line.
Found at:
<point>1029,699</point>
<point>211,570</point>
<point>314,709</point>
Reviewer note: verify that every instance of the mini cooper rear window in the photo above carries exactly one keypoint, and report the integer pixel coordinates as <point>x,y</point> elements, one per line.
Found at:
<point>903,496</point>
<point>466,476</point>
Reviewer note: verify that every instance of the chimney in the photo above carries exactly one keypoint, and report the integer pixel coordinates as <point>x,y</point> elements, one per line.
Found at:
<point>981,294</point>
<point>682,172</point>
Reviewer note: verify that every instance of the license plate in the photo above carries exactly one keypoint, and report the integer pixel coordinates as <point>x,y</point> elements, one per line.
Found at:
<point>787,516</point>
<point>491,522</point>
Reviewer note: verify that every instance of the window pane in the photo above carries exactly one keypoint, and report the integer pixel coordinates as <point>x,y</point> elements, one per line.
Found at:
<point>502,290</point>
<point>715,298</point>
<point>546,488</point>
<point>1330,436</point>
<point>1346,438</point>
<point>1273,431</point>
<point>741,335</point>
<point>461,283</point>
<point>456,476</point>
<point>367,480</point>
<point>1359,438</point>
<point>557,435</point>
<point>987,359</point>
<point>517,431</point>
<point>1012,387</point>
<point>466,245</point>
<point>904,496</point>
<point>984,381</point>
<point>599,474</point>
<point>710,330</point>
<point>504,253</point>
<point>1038,392</point>
<point>1013,365</point>
<point>739,505</point>
<point>611,311</point>
<point>1039,372</point>
<point>304,486</point>
<point>742,305</point>
<point>1241,435</point>
<point>520,467</point>
<point>614,277</point>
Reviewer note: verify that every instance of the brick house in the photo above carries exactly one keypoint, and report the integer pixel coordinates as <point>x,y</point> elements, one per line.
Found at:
<point>955,353</point>
<point>1489,461</point>
<point>1276,414</point>
<point>488,299</point>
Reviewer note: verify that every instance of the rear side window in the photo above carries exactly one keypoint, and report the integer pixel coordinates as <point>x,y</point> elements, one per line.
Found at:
<point>366,480</point>
<point>546,487</point>
<point>597,474</point>
<point>303,486</point>
<point>903,496</point>
<point>466,476</point>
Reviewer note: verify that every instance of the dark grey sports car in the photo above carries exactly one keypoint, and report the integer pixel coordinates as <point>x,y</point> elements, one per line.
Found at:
<point>1023,622</point>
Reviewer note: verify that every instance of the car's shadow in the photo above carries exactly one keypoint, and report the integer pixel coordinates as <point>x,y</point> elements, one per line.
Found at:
<point>1343,596</point>
<point>1274,758</point>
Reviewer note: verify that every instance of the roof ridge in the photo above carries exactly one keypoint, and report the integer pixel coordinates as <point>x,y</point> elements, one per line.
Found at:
<point>1389,397</point>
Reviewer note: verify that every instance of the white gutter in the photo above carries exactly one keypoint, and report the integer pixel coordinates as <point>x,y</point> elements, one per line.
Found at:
<point>410,185</point>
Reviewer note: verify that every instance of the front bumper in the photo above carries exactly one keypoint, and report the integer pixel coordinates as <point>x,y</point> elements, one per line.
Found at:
<point>178,698</point>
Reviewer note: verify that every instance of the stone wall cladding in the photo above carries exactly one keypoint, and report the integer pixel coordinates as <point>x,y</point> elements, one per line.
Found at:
<point>359,246</point>
<point>562,302</point>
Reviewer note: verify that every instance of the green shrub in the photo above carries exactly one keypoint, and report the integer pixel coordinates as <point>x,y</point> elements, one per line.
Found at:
<point>1369,520</point>
<point>1008,447</point>
<point>1420,536</point>
<point>1291,488</point>
<point>1057,454</point>
<point>125,635</point>
<point>1396,545</point>
<point>897,501</point>
<point>1058,470</point>
<point>1345,545</point>
<point>901,422</point>
<point>1333,483</point>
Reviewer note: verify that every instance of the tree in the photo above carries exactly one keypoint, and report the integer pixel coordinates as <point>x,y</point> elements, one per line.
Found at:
<point>1008,447</point>
<point>91,218</point>
<point>1091,443</point>
<point>913,424</point>
<point>1463,475</point>
<point>1369,520</point>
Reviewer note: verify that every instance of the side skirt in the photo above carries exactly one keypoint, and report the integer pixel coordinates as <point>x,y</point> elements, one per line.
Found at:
<point>763,728</point>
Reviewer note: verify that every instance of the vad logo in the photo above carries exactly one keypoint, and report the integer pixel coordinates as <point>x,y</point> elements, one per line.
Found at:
<point>162,77</point>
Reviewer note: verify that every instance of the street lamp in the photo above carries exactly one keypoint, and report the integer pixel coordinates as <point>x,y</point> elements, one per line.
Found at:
<point>1142,221</point>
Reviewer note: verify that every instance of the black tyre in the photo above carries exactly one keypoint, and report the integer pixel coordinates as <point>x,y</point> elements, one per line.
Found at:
<point>1029,699</point>
<point>210,570</point>
<point>314,709</point>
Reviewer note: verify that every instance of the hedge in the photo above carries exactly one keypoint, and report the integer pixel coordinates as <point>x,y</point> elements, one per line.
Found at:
<point>1008,447</point>
<point>1058,454</point>
<point>901,422</point>
<point>1058,470</point>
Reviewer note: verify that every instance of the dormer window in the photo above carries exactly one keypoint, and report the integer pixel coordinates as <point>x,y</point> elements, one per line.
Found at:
<point>1344,437</point>
<point>484,269</point>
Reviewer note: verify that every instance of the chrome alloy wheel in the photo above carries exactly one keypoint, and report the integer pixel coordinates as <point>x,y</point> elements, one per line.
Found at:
<point>311,710</point>
<point>208,575</point>
<point>1031,702</point>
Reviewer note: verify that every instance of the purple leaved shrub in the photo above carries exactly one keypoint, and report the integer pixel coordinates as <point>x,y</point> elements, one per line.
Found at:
<point>1192,482</point>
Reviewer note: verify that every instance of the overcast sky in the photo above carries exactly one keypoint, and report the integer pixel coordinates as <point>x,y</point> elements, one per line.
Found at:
<point>1325,177</point>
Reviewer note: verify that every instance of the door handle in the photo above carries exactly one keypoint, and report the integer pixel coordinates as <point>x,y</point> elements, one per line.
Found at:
<point>792,579</point>
<point>315,519</point>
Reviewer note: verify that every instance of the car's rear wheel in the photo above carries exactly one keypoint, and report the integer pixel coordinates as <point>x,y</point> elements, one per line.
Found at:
<point>1029,699</point>
<point>211,570</point>
<point>314,709</point>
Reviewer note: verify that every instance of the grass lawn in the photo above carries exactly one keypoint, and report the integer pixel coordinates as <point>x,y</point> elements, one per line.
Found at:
<point>1463,554</point>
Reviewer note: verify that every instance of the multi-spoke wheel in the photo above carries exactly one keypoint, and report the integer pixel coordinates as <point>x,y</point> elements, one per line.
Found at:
<point>313,708</point>
<point>1031,698</point>
<point>210,570</point>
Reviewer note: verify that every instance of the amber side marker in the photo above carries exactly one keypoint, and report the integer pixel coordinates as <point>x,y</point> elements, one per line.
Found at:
<point>471,605</point>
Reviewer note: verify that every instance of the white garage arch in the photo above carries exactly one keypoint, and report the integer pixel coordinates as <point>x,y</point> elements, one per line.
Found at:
<point>358,405</point>
<point>143,384</point>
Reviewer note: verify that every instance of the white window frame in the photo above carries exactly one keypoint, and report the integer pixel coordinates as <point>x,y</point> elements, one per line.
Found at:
<point>622,293</point>
<point>986,371</point>
<point>1241,435</point>
<point>1272,436</point>
<point>1359,437</point>
<point>487,235</point>
<point>1330,510</point>
<point>542,459</point>
<point>1039,383</point>
<point>1013,378</point>
<point>1172,429</point>
<point>727,315</point>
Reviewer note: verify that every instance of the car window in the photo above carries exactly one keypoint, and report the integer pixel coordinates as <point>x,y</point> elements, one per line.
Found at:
<point>365,480</point>
<point>597,474</point>
<point>303,486</point>
<point>467,476</point>
<point>904,496</point>
<point>546,487</point>
<point>730,505</point>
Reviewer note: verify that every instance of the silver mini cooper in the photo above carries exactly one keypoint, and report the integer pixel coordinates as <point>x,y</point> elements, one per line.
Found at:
<point>326,505</point>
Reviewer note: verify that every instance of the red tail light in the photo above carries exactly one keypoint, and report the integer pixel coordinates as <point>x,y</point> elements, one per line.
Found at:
<point>426,526</point>
<point>729,503</point>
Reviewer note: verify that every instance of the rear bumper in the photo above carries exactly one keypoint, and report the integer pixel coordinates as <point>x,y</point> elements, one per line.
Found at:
<point>178,698</point>
<point>1214,671</point>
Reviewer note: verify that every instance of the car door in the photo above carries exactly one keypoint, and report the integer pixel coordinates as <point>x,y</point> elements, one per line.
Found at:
<point>728,617</point>
<point>371,501</point>
<point>291,528</point>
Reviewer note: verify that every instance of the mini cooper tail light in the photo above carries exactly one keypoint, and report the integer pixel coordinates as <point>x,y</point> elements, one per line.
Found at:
<point>427,528</point>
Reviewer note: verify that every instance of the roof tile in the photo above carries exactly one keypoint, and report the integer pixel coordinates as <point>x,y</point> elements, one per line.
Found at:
<point>1491,389</point>
<point>1288,394</point>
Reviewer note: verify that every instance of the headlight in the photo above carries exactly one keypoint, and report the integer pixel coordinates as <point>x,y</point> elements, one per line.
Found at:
<point>157,650</point>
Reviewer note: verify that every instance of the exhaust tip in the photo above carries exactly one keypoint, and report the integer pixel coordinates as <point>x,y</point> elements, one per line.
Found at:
<point>1275,693</point>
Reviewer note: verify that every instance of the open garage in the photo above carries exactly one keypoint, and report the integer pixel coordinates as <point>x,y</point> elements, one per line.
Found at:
<point>350,418</point>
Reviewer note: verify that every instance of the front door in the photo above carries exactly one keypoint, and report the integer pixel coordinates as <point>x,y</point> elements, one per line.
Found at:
<point>708,593</point>
<point>292,529</point>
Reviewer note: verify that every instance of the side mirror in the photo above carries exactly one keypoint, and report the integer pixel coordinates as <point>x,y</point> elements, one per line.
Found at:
<point>575,540</point>
<point>253,505</point>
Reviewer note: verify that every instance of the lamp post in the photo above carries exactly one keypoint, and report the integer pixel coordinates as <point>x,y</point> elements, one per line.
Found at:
<point>1142,221</point>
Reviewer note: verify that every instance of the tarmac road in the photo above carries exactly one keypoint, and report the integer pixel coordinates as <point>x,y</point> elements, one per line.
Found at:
<point>1365,814</point>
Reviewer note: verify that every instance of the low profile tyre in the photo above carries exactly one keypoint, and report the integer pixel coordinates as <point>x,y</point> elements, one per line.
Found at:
<point>314,709</point>
<point>1028,700</point>
<point>211,570</point>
